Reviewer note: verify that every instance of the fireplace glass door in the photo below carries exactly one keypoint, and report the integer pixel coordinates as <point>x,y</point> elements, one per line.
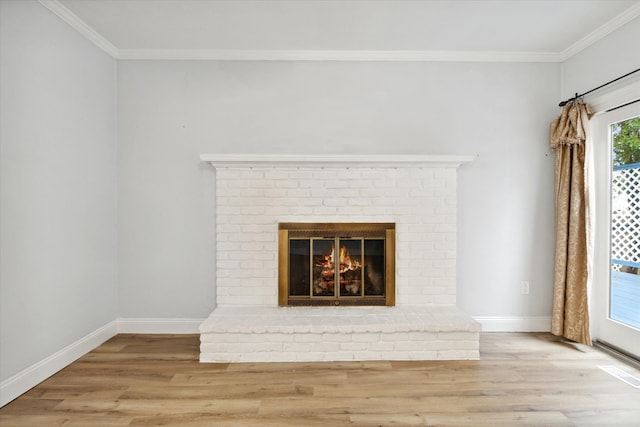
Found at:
<point>336,266</point>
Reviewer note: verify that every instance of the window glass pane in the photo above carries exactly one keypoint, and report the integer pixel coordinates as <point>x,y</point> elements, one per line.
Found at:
<point>299,271</point>
<point>374,267</point>
<point>625,223</point>
<point>351,267</point>
<point>323,267</point>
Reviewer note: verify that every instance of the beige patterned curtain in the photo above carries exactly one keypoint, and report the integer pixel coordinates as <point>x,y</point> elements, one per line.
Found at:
<point>570,316</point>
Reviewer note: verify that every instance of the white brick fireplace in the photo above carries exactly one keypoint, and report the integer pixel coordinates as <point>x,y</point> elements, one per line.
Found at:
<point>254,193</point>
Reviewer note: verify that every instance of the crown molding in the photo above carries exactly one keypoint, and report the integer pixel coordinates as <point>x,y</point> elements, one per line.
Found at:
<point>333,160</point>
<point>80,26</point>
<point>337,55</point>
<point>601,32</point>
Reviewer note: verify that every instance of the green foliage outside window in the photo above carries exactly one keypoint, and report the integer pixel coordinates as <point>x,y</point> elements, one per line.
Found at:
<point>626,142</point>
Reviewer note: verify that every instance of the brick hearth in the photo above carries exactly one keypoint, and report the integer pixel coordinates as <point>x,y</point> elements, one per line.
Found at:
<point>417,193</point>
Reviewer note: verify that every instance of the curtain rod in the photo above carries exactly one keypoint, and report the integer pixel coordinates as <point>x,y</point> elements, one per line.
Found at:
<point>563,103</point>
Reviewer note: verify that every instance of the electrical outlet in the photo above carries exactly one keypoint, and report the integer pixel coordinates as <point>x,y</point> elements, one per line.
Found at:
<point>524,287</point>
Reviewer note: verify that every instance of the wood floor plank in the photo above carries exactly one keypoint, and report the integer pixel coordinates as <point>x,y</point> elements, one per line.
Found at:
<point>164,407</point>
<point>68,420</point>
<point>150,380</point>
<point>492,419</point>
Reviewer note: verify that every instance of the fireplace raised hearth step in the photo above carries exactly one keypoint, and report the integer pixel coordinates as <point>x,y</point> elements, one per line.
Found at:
<point>290,334</point>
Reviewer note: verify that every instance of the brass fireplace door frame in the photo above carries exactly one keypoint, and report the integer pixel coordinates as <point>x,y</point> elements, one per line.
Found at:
<point>330,231</point>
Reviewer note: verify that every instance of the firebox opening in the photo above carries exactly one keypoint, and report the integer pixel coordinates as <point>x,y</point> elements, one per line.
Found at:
<point>336,264</point>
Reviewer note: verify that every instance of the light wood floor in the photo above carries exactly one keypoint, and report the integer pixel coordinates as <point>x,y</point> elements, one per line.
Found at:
<point>521,379</point>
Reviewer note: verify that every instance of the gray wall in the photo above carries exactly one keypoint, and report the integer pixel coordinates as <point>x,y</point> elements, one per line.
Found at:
<point>609,58</point>
<point>170,112</point>
<point>58,186</point>
<point>60,256</point>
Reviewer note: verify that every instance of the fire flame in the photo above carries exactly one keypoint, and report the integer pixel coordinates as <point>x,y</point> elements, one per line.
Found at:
<point>345,264</point>
<point>345,261</point>
<point>324,283</point>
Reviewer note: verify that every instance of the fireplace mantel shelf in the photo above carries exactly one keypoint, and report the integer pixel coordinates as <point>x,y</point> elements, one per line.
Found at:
<point>334,160</point>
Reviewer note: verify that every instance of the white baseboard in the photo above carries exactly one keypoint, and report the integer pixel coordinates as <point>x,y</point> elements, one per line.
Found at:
<point>514,323</point>
<point>158,326</point>
<point>26,379</point>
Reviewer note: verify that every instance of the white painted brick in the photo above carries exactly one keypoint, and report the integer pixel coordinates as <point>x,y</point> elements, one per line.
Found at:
<point>366,355</point>
<point>326,352</point>
<point>241,219</point>
<point>257,228</point>
<point>420,201</point>
<point>253,246</point>
<point>285,184</point>
<point>250,174</point>
<point>252,210</point>
<point>367,337</point>
<point>325,347</point>
<point>301,211</point>
<point>348,211</point>
<point>277,174</point>
<point>359,201</point>
<point>400,336</point>
<point>408,183</point>
<point>249,290</point>
<point>451,336</point>
<point>381,346</point>
<point>347,173</point>
<point>348,193</point>
<point>422,336</point>
<point>323,174</point>
<point>228,228</point>
<point>325,210</point>
<point>229,264</point>
<point>296,194</point>
<point>246,193</point>
<point>442,299</point>
<point>249,183</point>
<point>371,193</point>
<point>408,272</point>
<point>336,337</point>
<point>221,183</point>
<point>335,202</point>
<point>321,192</point>
<point>383,183</point>
<point>276,210</point>
<point>308,183</point>
<point>273,193</point>
<point>213,357</point>
<point>352,346</point>
<point>238,237</point>
<point>252,274</point>
<point>408,346</point>
<point>296,347</point>
<point>308,338</point>
<point>228,300</point>
<point>301,173</point>
<point>266,237</point>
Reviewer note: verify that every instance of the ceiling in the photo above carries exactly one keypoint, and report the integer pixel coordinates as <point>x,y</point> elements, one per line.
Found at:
<point>553,29</point>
